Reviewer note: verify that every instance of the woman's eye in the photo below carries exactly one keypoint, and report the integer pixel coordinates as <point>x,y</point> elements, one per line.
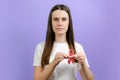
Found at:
<point>64,19</point>
<point>55,19</point>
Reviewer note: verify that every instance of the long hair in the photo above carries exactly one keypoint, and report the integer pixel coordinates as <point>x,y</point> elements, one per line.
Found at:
<point>50,35</point>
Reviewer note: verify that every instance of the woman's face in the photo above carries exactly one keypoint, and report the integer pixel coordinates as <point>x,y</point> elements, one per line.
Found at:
<point>60,22</point>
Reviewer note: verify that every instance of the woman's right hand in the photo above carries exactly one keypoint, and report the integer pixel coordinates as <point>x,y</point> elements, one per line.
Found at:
<point>59,57</point>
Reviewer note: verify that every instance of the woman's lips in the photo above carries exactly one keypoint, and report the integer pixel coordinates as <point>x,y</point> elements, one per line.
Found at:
<point>59,28</point>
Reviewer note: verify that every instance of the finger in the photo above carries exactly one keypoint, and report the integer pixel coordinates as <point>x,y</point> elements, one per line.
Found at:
<point>73,56</point>
<point>81,57</point>
<point>64,55</point>
<point>80,60</point>
<point>61,57</point>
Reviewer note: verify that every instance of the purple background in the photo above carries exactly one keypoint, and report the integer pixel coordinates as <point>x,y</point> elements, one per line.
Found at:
<point>23,25</point>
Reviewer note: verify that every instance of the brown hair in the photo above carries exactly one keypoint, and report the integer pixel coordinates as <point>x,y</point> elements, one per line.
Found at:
<point>50,35</point>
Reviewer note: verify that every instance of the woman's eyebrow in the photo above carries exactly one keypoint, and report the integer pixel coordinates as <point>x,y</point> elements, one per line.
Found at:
<point>59,17</point>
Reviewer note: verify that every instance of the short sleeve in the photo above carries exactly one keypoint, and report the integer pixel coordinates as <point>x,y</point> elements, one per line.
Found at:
<point>79,49</point>
<point>38,55</point>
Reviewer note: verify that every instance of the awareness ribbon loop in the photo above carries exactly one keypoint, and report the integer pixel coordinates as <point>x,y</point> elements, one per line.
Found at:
<point>71,52</point>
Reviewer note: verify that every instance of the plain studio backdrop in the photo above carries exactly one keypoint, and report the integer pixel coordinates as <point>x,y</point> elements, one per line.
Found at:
<point>23,25</point>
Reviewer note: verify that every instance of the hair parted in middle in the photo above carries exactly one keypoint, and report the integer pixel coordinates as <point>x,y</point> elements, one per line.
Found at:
<point>50,35</point>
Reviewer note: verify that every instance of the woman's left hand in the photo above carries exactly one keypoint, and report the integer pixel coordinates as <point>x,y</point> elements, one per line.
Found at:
<point>79,57</point>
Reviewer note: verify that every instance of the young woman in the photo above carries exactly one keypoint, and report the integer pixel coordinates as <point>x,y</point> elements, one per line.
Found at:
<point>59,57</point>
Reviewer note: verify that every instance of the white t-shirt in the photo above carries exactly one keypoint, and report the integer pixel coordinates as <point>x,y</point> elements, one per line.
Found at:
<point>63,71</point>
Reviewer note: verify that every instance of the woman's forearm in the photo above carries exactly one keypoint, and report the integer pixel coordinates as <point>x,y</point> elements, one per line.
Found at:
<point>87,74</point>
<point>45,73</point>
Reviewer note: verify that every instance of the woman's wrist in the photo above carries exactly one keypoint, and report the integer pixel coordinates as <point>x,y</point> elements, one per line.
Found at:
<point>83,64</point>
<point>54,62</point>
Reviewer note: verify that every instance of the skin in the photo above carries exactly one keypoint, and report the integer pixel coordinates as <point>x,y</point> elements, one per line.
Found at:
<point>60,22</point>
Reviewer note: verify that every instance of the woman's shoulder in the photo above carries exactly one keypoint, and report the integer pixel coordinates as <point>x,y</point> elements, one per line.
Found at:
<point>41,44</point>
<point>78,45</point>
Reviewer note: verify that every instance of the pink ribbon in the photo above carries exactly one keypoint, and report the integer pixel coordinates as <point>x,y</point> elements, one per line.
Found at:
<point>71,52</point>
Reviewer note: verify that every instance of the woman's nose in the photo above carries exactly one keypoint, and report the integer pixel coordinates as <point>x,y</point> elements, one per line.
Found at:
<point>60,22</point>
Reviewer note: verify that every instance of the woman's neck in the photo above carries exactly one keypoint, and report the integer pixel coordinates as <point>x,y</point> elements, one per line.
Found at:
<point>60,38</point>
